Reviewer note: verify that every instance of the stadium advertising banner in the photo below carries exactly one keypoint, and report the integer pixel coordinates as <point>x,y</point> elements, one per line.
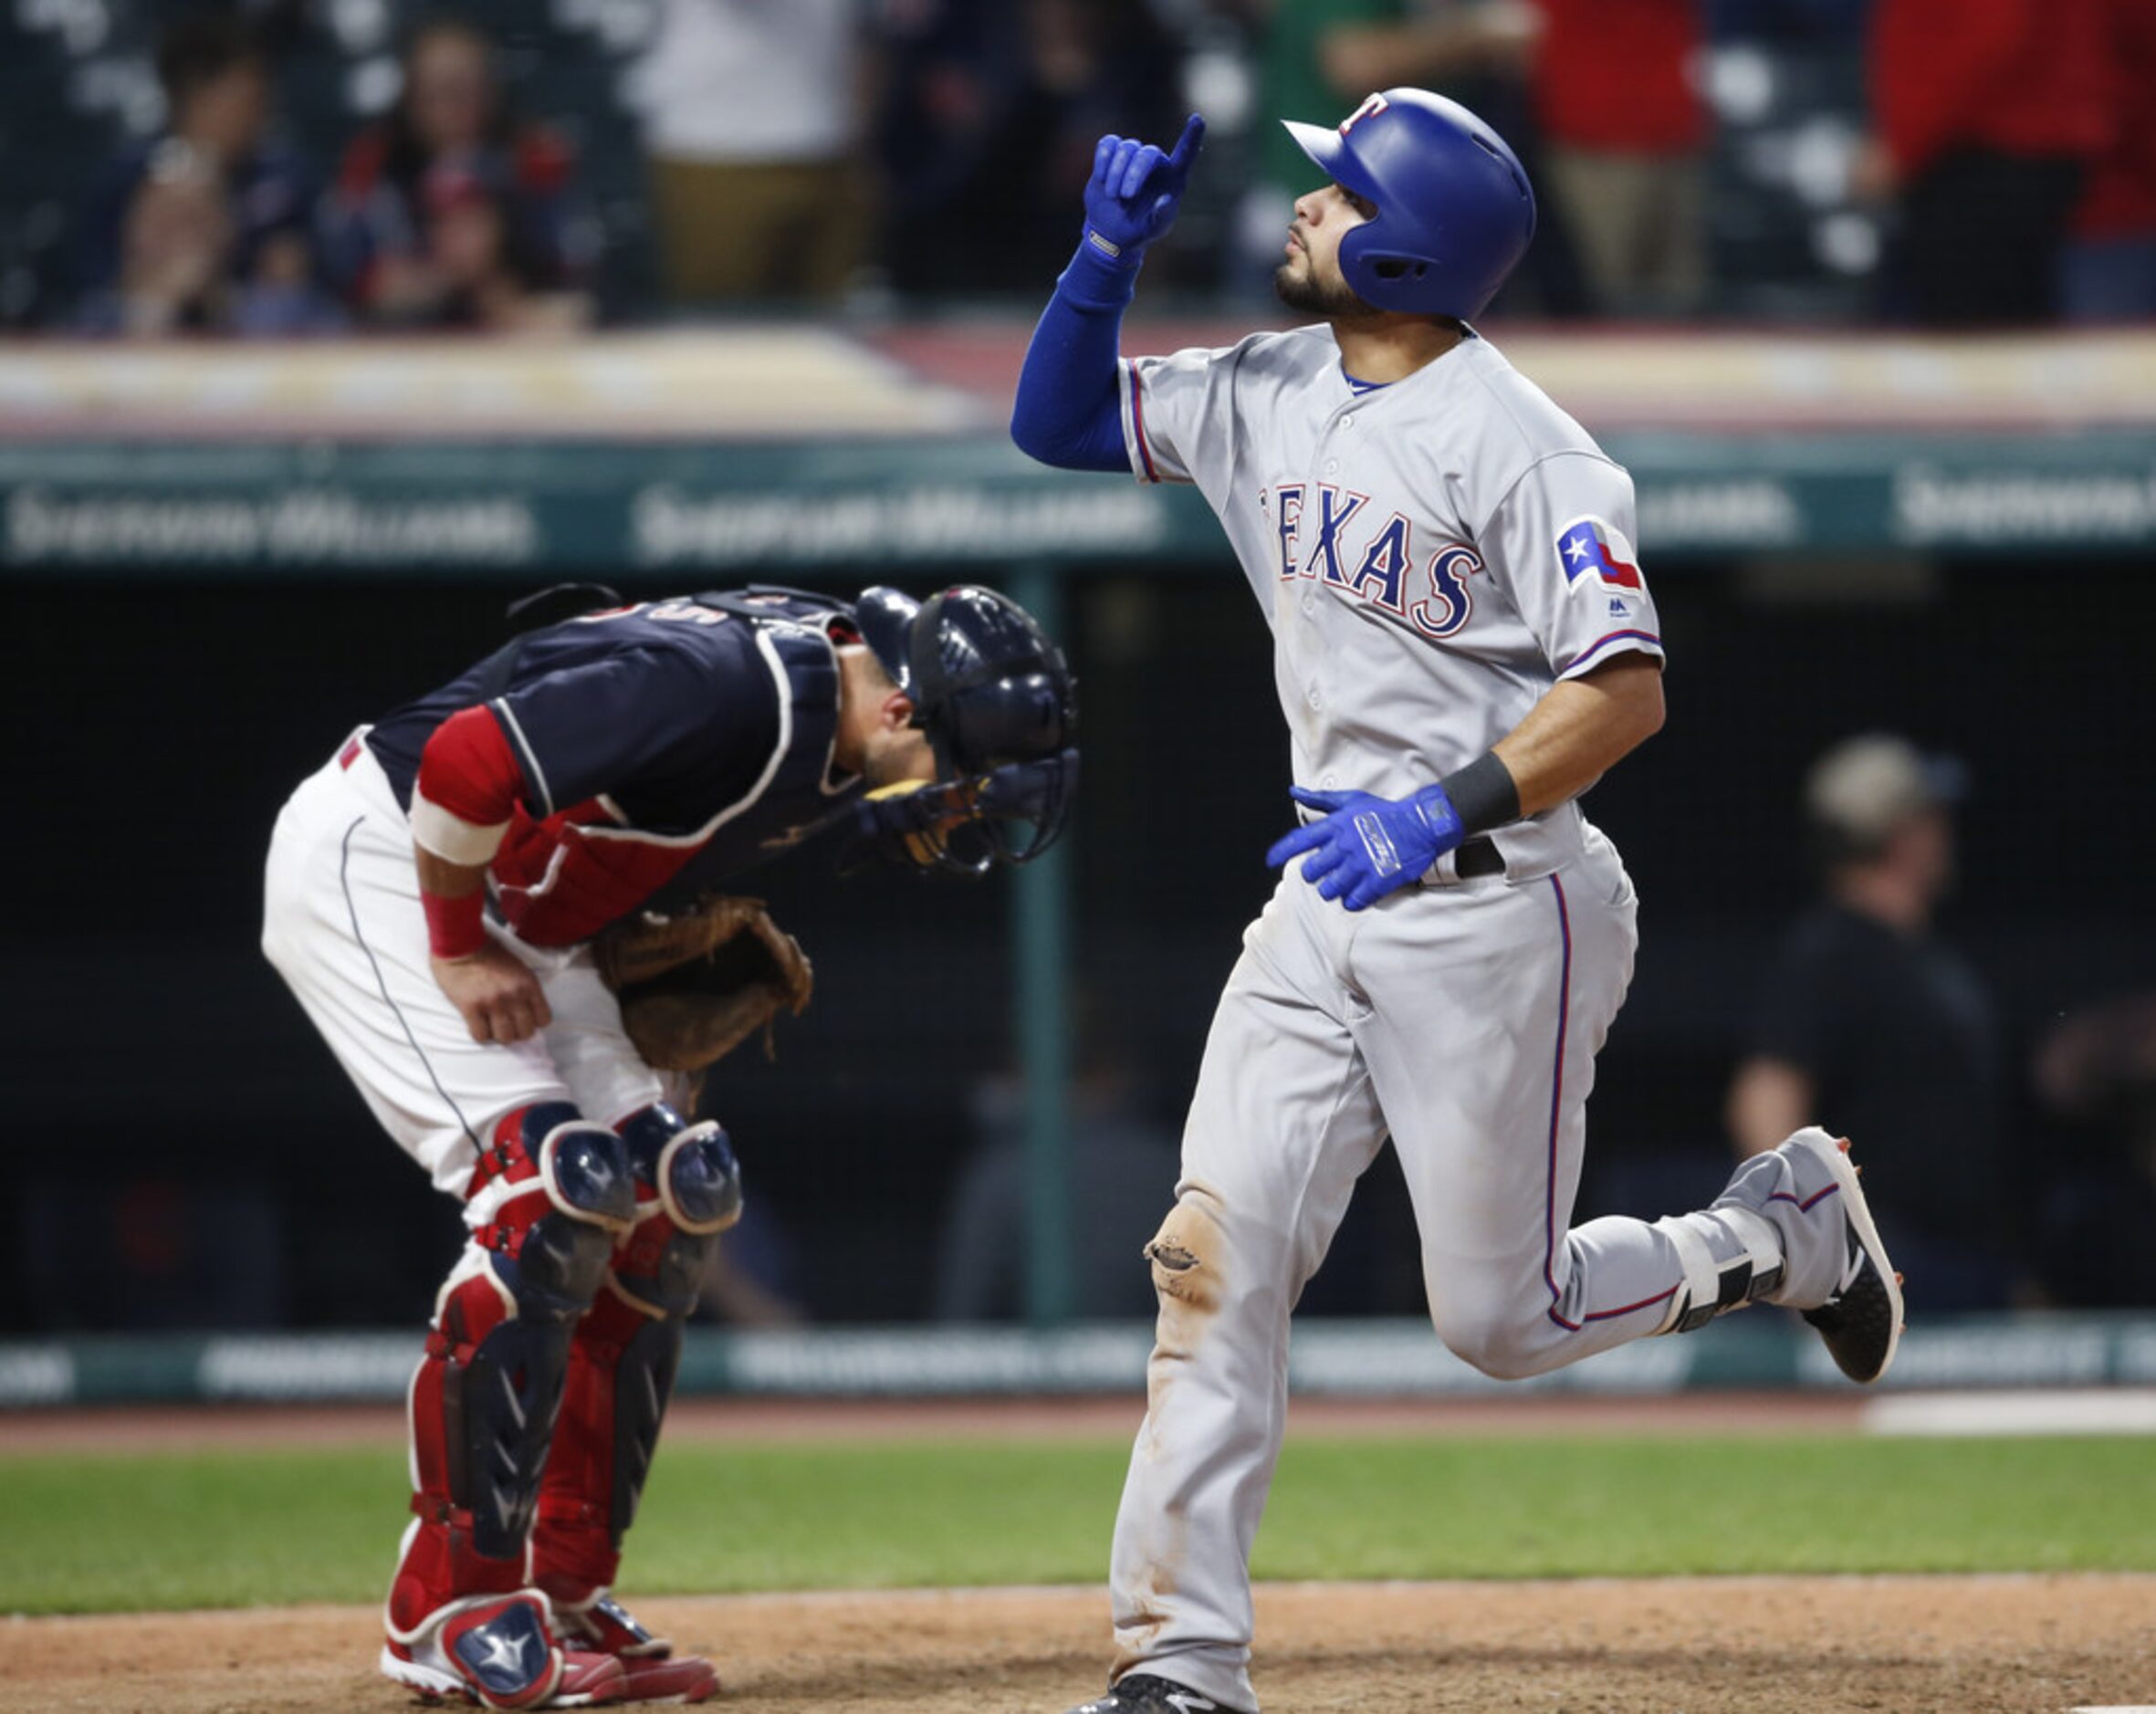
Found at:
<point>1330,1359</point>
<point>483,508</point>
<point>775,447</point>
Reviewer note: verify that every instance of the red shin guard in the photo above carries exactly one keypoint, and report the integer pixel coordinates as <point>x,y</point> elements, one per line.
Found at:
<point>575,1547</point>
<point>549,1196</point>
<point>627,1348</point>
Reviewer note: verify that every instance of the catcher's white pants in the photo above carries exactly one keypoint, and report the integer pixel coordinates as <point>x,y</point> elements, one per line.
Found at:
<point>1464,1020</point>
<point>343,925</point>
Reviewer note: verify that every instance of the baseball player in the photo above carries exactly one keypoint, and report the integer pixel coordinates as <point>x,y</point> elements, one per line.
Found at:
<point>448,896</point>
<point>1464,643</point>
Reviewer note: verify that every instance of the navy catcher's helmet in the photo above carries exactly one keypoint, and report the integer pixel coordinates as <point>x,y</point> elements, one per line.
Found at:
<point>1000,708</point>
<point>1455,211</point>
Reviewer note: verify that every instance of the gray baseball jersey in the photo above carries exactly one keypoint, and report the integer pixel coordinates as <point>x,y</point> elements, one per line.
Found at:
<point>1432,557</point>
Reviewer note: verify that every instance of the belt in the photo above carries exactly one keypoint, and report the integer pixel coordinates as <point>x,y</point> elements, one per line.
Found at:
<point>1478,857</point>
<point>1473,859</point>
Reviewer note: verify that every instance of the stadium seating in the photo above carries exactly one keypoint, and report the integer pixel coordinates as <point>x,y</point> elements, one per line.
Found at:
<point>77,83</point>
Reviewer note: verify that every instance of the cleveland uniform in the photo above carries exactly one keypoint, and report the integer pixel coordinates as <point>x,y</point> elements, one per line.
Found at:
<point>623,762</point>
<point>631,758</point>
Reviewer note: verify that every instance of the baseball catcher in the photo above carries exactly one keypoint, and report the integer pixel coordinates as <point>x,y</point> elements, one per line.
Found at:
<point>508,907</point>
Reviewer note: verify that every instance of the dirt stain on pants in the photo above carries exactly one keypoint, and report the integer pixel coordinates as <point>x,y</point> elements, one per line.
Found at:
<point>1186,1257</point>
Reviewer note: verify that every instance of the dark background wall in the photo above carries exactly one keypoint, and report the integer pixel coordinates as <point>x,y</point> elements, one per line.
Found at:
<point>185,1152</point>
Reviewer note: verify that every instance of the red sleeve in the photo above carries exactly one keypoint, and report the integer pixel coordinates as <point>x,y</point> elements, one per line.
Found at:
<point>543,160</point>
<point>1616,74</point>
<point>364,159</point>
<point>1935,65</point>
<point>468,786</point>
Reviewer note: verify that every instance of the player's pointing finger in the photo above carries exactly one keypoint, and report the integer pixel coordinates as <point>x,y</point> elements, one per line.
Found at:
<point>1189,143</point>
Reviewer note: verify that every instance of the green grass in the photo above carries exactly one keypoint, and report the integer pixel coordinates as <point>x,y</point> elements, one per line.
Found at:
<point>135,1530</point>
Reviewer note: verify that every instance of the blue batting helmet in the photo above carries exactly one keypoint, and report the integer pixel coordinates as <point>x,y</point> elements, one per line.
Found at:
<point>1455,211</point>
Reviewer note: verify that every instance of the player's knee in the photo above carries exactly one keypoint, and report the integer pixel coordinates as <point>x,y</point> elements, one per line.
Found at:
<point>690,1169</point>
<point>552,1194</point>
<point>1186,1257</point>
<point>1487,1330</point>
<point>688,1187</point>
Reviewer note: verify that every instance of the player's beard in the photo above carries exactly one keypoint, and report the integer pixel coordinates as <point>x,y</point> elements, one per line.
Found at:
<point>1307,295</point>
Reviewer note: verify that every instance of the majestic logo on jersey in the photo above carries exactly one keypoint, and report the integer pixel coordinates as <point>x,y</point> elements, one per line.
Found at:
<point>1591,545</point>
<point>1380,569</point>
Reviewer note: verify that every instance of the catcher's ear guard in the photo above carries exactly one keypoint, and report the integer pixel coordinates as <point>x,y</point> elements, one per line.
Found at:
<point>1009,815</point>
<point>886,620</point>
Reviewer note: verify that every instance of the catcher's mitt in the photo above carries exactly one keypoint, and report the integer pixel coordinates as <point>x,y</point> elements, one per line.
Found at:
<point>697,983</point>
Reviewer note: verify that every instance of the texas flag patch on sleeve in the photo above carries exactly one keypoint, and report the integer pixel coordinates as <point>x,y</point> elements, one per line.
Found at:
<point>1591,545</point>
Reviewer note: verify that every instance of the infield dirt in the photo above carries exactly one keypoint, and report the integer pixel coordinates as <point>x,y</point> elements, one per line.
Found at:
<point>2014,1645</point>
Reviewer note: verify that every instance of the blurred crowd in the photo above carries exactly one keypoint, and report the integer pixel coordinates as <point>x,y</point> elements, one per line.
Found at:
<point>2004,1185</point>
<point>443,213</point>
<point>291,167</point>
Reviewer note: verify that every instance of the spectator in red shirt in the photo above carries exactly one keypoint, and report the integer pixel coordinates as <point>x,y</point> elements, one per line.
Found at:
<point>1988,112</point>
<point>2110,262</point>
<point>1623,132</point>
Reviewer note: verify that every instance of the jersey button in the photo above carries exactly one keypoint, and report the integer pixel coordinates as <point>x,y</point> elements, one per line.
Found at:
<point>1332,467</point>
<point>1316,701</point>
<point>1310,603</point>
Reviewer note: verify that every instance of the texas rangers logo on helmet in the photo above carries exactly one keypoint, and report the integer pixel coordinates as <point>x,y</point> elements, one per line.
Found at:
<point>1372,104</point>
<point>1590,545</point>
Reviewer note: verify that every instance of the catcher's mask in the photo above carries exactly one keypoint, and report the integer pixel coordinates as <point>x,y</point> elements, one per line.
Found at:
<point>1000,708</point>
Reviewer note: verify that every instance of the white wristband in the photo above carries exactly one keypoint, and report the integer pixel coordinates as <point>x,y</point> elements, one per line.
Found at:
<point>450,837</point>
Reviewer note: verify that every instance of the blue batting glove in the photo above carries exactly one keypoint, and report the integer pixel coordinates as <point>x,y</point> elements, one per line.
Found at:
<point>1132,197</point>
<point>1367,846</point>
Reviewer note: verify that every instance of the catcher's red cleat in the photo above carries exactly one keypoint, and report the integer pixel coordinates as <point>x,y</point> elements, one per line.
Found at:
<point>500,1652</point>
<point>652,1671</point>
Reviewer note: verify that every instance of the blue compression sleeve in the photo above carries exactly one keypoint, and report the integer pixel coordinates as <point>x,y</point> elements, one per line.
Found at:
<point>1067,412</point>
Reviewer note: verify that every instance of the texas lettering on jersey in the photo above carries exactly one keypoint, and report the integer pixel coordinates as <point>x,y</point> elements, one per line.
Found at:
<point>1436,599</point>
<point>1404,545</point>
